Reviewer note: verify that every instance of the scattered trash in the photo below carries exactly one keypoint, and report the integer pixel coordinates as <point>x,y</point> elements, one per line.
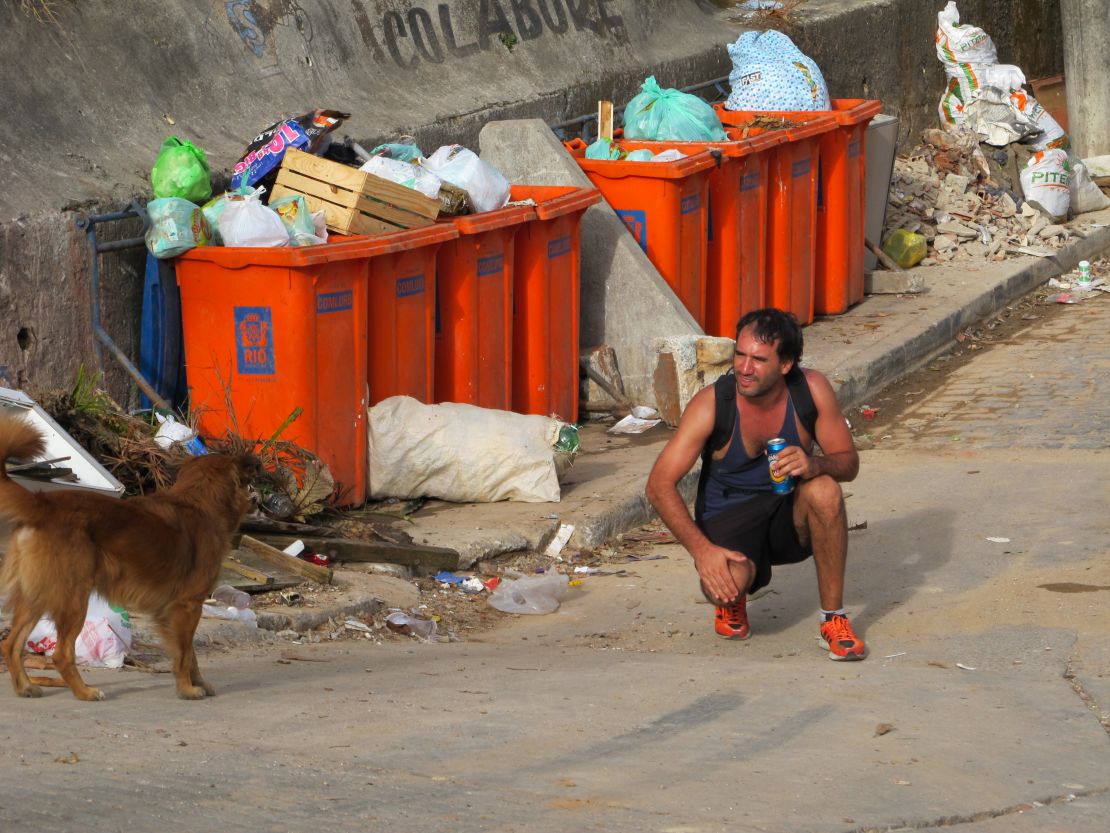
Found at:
<point>632,424</point>
<point>555,547</point>
<point>906,248</point>
<point>883,729</point>
<point>171,431</point>
<point>232,596</point>
<point>1084,277</point>
<point>245,615</point>
<point>999,540</point>
<point>867,412</point>
<point>356,625</point>
<point>103,642</point>
<point>447,577</point>
<point>472,585</point>
<point>402,623</point>
<point>586,570</point>
<point>530,594</point>
<point>892,656</point>
<point>858,526</point>
<point>965,667</point>
<point>291,598</point>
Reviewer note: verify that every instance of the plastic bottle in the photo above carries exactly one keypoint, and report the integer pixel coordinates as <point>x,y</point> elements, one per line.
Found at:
<point>233,614</point>
<point>402,623</point>
<point>295,549</point>
<point>530,594</point>
<point>1084,273</point>
<point>230,596</point>
<point>171,431</point>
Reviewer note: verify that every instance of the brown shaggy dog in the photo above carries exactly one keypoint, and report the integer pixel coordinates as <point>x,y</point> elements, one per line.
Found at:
<point>159,555</point>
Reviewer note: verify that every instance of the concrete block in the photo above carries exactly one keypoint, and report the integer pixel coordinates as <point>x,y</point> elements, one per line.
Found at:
<point>892,283</point>
<point>625,302</point>
<point>683,366</point>
<point>593,398</point>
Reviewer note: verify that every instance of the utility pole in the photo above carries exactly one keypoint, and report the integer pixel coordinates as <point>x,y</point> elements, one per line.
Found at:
<point>1086,30</point>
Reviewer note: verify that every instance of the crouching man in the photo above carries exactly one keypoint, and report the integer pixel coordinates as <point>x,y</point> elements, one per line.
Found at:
<point>741,525</point>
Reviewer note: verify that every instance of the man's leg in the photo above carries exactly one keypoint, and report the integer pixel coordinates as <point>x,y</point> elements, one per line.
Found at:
<point>822,522</point>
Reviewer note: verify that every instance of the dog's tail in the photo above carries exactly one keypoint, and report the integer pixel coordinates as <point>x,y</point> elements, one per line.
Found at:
<point>18,438</point>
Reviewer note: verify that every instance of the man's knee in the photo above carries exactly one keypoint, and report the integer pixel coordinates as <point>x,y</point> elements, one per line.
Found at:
<point>821,495</point>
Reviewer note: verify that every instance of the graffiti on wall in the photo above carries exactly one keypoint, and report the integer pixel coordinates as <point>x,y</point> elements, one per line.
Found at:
<point>436,33</point>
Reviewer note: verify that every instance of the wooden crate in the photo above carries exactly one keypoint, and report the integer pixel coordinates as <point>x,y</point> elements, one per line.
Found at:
<point>353,202</point>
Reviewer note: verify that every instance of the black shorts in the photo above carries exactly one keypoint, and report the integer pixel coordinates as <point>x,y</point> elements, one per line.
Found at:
<point>762,528</point>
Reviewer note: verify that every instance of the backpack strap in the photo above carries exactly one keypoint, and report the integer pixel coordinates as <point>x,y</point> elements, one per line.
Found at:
<point>804,407</point>
<point>724,395</point>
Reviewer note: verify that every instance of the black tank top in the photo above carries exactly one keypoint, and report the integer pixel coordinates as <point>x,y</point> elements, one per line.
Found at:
<point>736,477</point>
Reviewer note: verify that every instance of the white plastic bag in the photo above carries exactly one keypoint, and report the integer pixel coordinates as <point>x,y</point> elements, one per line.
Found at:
<point>103,642</point>
<point>1050,135</point>
<point>530,594</point>
<point>1046,182</point>
<point>770,73</point>
<point>461,453</point>
<point>487,189</point>
<point>404,173</point>
<point>997,119</point>
<point>245,221</point>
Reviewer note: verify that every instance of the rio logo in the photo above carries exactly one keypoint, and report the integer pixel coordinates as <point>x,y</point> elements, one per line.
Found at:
<point>254,338</point>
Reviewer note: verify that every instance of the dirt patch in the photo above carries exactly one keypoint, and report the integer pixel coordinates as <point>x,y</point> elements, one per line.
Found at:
<point>887,409</point>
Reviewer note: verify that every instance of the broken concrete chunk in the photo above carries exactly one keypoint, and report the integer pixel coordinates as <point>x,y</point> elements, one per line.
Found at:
<point>1052,231</point>
<point>944,242</point>
<point>958,229</point>
<point>955,184</point>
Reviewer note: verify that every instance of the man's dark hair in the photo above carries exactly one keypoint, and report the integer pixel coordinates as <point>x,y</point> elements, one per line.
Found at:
<point>770,324</point>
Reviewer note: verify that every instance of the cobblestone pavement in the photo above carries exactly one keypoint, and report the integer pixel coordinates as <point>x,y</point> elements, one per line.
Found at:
<point>1048,387</point>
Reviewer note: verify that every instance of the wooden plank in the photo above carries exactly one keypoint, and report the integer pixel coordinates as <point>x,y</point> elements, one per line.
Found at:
<point>360,182</point>
<point>420,557</point>
<point>349,201</point>
<point>256,576</point>
<point>605,120</point>
<point>285,562</point>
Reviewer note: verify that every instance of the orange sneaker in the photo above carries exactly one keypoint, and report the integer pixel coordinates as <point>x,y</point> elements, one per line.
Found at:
<point>841,641</point>
<point>731,621</point>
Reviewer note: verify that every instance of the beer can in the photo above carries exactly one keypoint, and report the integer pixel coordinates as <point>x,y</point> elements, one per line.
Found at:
<point>782,484</point>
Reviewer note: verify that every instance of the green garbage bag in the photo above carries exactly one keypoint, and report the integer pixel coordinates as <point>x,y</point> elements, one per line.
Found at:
<point>670,115</point>
<point>603,149</point>
<point>405,152</point>
<point>181,170</point>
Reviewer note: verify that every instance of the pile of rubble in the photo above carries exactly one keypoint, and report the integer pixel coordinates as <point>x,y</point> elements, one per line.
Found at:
<point>964,200</point>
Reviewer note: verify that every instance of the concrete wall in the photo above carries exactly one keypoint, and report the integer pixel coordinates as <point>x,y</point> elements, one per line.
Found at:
<point>89,97</point>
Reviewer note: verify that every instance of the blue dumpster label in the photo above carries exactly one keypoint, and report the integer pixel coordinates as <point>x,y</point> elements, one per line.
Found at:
<point>800,168</point>
<point>492,265</point>
<point>412,285</point>
<point>853,149</point>
<point>691,203</point>
<point>559,247</point>
<point>254,335</point>
<point>636,220</point>
<point>334,301</point>
<point>749,182</point>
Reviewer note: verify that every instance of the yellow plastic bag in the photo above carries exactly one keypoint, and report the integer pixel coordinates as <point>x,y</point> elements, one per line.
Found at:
<point>906,248</point>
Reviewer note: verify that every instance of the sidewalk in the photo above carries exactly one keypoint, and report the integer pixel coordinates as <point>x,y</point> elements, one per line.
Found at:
<point>862,351</point>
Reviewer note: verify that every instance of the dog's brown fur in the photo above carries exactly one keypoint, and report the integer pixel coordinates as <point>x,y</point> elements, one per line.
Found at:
<point>159,555</point>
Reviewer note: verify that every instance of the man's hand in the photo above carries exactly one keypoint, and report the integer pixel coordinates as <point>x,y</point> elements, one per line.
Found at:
<point>794,461</point>
<point>712,563</point>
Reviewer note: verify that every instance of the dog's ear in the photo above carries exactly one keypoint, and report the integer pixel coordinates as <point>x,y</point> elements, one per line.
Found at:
<point>248,467</point>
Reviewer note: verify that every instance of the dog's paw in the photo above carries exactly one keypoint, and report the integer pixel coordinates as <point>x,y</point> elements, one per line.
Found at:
<point>30,691</point>
<point>192,692</point>
<point>90,695</point>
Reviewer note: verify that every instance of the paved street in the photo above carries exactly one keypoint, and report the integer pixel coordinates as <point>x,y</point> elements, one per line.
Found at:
<point>980,705</point>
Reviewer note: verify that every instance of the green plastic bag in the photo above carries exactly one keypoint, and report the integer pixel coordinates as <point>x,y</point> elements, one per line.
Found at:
<point>181,170</point>
<point>603,149</point>
<point>906,248</point>
<point>403,152</point>
<point>670,115</point>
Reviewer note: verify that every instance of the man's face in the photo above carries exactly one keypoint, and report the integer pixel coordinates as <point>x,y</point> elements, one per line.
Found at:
<point>757,365</point>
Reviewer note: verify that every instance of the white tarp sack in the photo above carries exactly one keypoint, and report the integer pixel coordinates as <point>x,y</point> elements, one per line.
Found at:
<point>996,118</point>
<point>1046,182</point>
<point>463,453</point>
<point>1085,195</point>
<point>966,52</point>
<point>1050,135</point>
<point>103,642</point>
<point>485,186</point>
<point>770,73</point>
